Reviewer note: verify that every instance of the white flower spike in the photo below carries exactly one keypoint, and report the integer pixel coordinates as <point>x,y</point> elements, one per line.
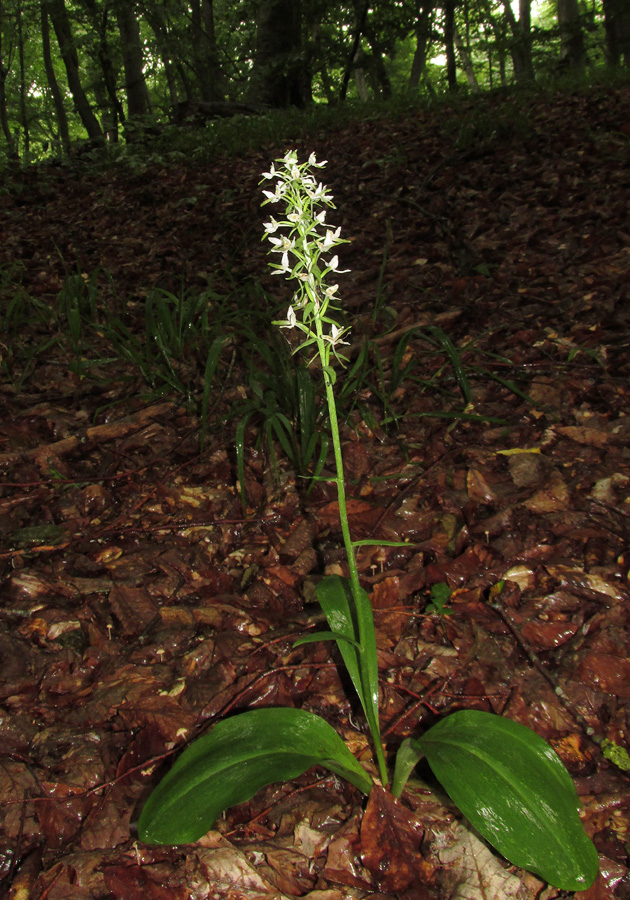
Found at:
<point>308,236</point>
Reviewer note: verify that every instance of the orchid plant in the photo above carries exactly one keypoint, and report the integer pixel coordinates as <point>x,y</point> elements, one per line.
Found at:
<point>506,779</point>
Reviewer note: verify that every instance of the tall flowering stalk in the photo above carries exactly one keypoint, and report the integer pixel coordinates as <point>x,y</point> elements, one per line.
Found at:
<point>303,251</point>
<point>305,242</point>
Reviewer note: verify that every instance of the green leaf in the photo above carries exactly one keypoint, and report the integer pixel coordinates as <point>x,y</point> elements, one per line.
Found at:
<point>440,593</point>
<point>456,361</point>
<point>514,789</point>
<point>316,636</point>
<point>407,757</point>
<point>233,761</point>
<point>357,643</point>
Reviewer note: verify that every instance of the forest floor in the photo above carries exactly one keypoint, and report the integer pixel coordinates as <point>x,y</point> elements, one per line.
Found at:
<point>140,602</point>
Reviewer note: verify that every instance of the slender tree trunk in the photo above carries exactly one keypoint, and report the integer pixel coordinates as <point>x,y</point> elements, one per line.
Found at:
<point>138,103</point>
<point>53,84</point>
<point>23,110</point>
<point>113,113</point>
<point>572,49</point>
<point>521,43</point>
<point>383,84</point>
<point>159,25</point>
<point>4,115</point>
<point>422,30</point>
<point>354,53</point>
<point>498,27</point>
<point>617,25</point>
<point>359,77</point>
<point>467,65</point>
<point>327,85</point>
<point>449,44</point>
<point>61,24</point>
<point>205,53</point>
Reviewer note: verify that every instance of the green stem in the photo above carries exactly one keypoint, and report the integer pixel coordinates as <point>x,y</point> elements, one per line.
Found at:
<point>355,585</point>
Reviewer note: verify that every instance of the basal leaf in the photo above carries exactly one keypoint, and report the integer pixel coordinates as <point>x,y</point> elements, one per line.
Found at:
<point>233,761</point>
<point>515,790</point>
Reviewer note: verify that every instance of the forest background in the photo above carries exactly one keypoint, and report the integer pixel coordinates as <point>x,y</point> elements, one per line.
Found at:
<point>75,74</point>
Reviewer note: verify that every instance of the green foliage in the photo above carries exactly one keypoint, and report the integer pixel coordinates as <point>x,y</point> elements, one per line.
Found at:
<point>233,761</point>
<point>513,788</point>
<point>440,594</point>
<point>616,754</point>
<point>283,407</point>
<point>177,69</point>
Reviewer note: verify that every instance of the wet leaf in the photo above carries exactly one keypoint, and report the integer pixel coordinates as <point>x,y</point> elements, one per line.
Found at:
<point>514,789</point>
<point>229,765</point>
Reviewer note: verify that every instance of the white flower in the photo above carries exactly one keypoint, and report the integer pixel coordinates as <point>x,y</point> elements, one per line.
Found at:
<point>281,244</point>
<point>335,336</point>
<point>308,278</point>
<point>289,158</point>
<point>334,265</point>
<point>303,247</point>
<point>319,193</point>
<point>271,226</point>
<point>291,319</point>
<point>331,238</point>
<point>284,266</point>
<point>313,162</point>
<point>277,195</point>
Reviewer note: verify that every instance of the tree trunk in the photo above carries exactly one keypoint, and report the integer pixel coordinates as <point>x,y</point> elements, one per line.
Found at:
<point>4,116</point>
<point>279,78</point>
<point>105,89</point>
<point>23,110</point>
<point>617,25</point>
<point>204,52</point>
<point>138,103</point>
<point>521,43</point>
<point>498,27</point>
<point>382,83</point>
<point>572,50</point>
<point>449,44</point>
<point>354,54</point>
<point>53,84</point>
<point>467,65</point>
<point>168,53</point>
<point>422,31</point>
<point>61,24</point>
<point>327,84</point>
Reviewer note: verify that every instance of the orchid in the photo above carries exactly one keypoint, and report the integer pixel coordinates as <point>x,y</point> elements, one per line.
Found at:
<point>506,779</point>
